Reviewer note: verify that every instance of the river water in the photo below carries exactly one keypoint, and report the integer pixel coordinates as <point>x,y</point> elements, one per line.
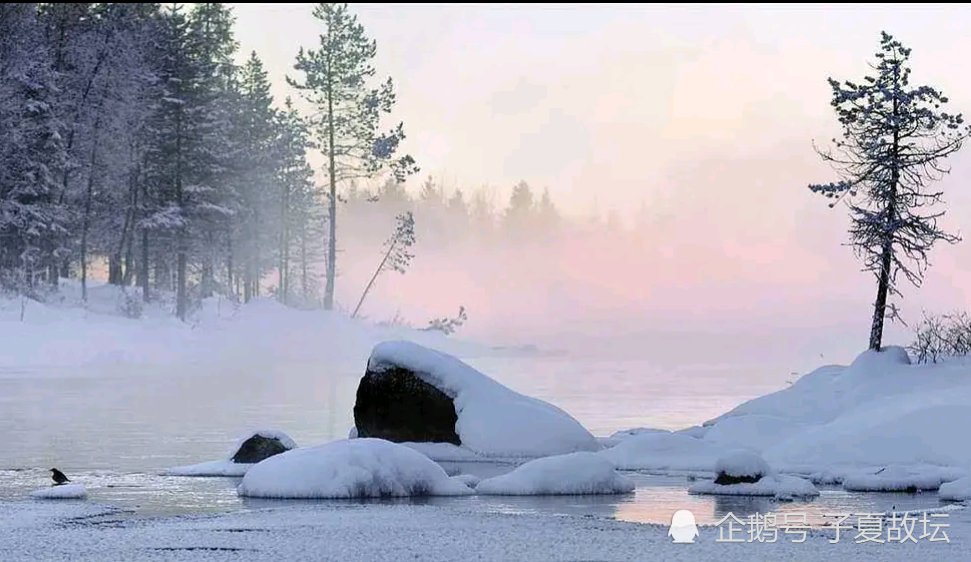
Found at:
<point>116,428</point>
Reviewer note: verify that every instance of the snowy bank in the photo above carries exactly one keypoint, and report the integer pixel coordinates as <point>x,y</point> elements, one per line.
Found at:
<point>62,492</point>
<point>572,474</point>
<point>356,468</point>
<point>220,332</point>
<point>897,478</point>
<point>957,490</point>
<point>410,391</point>
<point>249,449</point>
<point>837,423</point>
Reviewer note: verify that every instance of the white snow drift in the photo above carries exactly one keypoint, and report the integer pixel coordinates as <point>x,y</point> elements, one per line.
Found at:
<point>777,485</point>
<point>742,463</point>
<point>572,474</point>
<point>896,478</point>
<point>355,468</point>
<point>665,451</point>
<point>62,492</point>
<point>493,420</point>
<point>957,490</point>
<point>226,466</point>
<point>839,423</point>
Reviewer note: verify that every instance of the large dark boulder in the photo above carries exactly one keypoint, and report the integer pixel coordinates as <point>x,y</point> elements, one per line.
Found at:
<point>258,448</point>
<point>393,403</point>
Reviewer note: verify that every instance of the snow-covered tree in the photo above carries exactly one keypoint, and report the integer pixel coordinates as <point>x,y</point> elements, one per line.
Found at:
<point>33,220</point>
<point>895,138</point>
<point>338,80</point>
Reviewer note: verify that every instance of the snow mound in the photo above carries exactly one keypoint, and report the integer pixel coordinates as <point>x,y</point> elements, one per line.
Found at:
<point>755,430</point>
<point>895,478</point>
<point>776,485</point>
<point>665,451</point>
<point>444,452</point>
<point>742,463</point>
<point>62,492</point>
<point>355,468</point>
<point>493,420</point>
<point>226,467</point>
<point>957,490</point>
<point>572,474</point>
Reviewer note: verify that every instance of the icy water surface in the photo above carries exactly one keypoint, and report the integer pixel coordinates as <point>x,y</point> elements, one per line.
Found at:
<point>115,429</point>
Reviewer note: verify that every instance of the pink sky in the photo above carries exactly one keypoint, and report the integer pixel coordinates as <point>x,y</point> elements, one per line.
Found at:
<point>704,114</point>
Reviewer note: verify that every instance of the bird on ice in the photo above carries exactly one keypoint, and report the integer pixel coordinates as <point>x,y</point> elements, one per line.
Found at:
<point>58,477</point>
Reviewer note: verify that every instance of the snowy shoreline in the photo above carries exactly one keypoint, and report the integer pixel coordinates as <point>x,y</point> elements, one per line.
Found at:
<point>88,532</point>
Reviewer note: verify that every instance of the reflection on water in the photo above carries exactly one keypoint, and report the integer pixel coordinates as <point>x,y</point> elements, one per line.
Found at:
<point>115,430</point>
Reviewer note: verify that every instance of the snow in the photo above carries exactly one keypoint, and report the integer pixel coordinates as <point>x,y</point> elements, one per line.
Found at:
<point>957,490</point>
<point>665,451</point>
<point>62,492</point>
<point>742,463</point>
<point>220,333</point>
<point>226,466</point>
<point>493,420</point>
<point>350,468</point>
<point>779,486</point>
<point>571,474</point>
<point>54,531</point>
<point>837,423</point>
<point>896,478</point>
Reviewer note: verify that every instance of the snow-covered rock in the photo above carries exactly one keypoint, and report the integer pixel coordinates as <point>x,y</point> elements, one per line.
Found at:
<point>776,485</point>
<point>62,492</point>
<point>895,478</point>
<point>571,474</point>
<point>249,449</point>
<point>665,451</point>
<point>491,420</point>
<point>354,468</point>
<point>957,490</point>
<point>741,466</point>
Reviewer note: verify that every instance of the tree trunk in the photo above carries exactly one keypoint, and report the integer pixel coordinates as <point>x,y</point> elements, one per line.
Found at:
<point>181,305</point>
<point>86,222</point>
<point>332,207</point>
<point>886,255</point>
<point>283,283</point>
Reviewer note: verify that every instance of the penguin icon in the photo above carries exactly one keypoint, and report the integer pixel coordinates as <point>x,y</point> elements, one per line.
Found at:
<point>683,528</point>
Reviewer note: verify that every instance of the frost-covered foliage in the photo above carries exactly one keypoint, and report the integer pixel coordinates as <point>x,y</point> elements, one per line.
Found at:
<point>397,253</point>
<point>447,325</point>
<point>356,468</point>
<point>129,133</point>
<point>572,474</point>
<point>940,336</point>
<point>62,492</point>
<point>895,139</point>
<point>493,420</point>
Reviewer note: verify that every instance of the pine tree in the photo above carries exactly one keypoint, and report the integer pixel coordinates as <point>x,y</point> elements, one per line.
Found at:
<point>337,80</point>
<point>895,138</point>
<point>258,156</point>
<point>33,222</point>
<point>300,212</point>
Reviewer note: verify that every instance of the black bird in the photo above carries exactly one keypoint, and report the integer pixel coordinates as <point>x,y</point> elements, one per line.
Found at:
<point>59,477</point>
